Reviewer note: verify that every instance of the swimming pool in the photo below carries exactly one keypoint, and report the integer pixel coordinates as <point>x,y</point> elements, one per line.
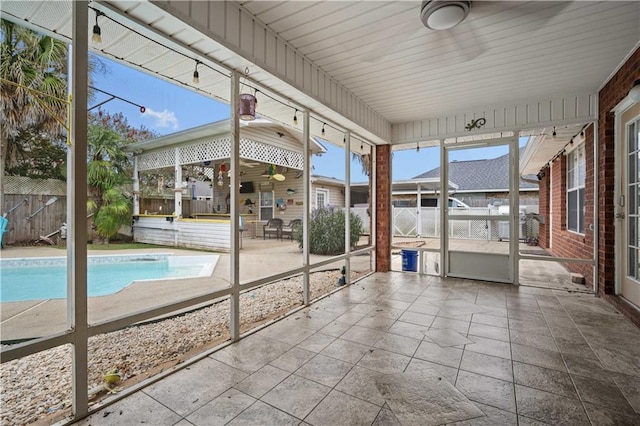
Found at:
<point>46,277</point>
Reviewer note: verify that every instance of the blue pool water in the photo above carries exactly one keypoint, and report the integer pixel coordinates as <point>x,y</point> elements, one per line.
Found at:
<point>50,282</point>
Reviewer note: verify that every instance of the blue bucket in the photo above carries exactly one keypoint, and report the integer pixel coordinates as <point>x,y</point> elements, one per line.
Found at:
<point>409,260</point>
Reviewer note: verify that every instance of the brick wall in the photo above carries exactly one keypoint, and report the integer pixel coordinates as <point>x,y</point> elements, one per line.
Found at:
<point>383,208</point>
<point>611,94</point>
<point>559,240</point>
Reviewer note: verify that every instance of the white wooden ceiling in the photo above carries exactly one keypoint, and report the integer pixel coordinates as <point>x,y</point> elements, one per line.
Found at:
<point>502,52</point>
<point>379,51</point>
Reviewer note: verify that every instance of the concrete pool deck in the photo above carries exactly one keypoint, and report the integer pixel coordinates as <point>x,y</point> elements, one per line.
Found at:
<point>258,258</point>
<point>37,318</point>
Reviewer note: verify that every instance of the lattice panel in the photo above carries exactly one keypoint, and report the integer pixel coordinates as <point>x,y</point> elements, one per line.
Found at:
<point>218,149</point>
<point>27,186</point>
<point>258,151</point>
<point>205,150</point>
<point>157,159</point>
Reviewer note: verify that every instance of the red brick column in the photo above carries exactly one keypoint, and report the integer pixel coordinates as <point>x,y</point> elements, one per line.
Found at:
<point>383,208</point>
<point>611,94</point>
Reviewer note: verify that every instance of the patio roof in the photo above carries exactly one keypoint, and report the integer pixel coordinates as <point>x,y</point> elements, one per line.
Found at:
<point>359,65</point>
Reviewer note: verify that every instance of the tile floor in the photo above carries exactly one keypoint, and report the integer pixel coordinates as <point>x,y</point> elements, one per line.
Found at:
<point>403,349</point>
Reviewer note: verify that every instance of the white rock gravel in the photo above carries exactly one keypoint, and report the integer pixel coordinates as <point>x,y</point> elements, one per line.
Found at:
<point>38,386</point>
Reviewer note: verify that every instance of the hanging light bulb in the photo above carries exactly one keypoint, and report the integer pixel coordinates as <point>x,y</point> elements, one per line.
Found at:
<point>554,134</point>
<point>323,124</point>
<point>196,75</point>
<point>295,117</point>
<point>97,37</point>
<point>417,147</point>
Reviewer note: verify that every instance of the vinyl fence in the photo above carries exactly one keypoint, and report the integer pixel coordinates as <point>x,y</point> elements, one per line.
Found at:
<point>425,222</point>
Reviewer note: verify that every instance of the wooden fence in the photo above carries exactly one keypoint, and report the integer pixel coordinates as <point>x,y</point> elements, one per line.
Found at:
<point>30,217</point>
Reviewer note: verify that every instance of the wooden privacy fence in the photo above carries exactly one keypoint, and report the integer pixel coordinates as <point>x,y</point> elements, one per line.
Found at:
<point>33,208</point>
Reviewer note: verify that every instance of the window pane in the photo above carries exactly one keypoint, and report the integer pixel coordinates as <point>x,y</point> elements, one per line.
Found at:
<point>633,161</point>
<point>633,141</point>
<point>633,256</point>
<point>572,210</point>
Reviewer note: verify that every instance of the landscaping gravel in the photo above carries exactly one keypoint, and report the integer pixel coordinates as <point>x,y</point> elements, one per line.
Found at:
<point>39,385</point>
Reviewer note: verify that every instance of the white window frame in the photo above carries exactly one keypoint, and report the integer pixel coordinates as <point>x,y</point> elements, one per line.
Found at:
<point>576,178</point>
<point>261,207</point>
<point>324,192</point>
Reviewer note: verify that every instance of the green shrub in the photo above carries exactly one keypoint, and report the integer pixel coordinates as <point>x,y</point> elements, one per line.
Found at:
<point>326,231</point>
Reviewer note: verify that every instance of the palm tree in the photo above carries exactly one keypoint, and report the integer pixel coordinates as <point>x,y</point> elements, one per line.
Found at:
<point>32,89</point>
<point>106,165</point>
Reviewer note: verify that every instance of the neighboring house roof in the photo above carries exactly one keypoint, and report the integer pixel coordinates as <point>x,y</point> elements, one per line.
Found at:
<point>325,180</point>
<point>480,175</point>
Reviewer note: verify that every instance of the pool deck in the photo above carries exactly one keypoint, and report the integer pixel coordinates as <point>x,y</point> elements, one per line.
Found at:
<point>258,258</point>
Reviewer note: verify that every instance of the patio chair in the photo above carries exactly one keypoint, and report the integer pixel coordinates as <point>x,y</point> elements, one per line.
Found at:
<point>273,226</point>
<point>287,231</point>
<point>4,222</point>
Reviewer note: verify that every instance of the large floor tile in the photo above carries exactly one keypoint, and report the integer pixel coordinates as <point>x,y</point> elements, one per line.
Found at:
<point>134,409</point>
<point>287,332</point>
<point>601,416</point>
<point>262,381</point>
<point>487,365</point>
<point>398,344</point>
<point>361,383</point>
<point>487,390</point>
<point>325,370</point>
<point>222,409</point>
<point>418,398</point>
<point>539,357</point>
<point>293,359</point>
<point>415,331</point>
<point>539,341</point>
<point>630,387</point>
<point>493,320</point>
<point>296,396</point>
<point>448,373</point>
<point>339,408</point>
<point>486,346</point>
<point>191,388</point>
<point>433,352</point>
<point>489,331</point>
<point>316,342</point>
<point>252,353</point>
<point>363,335</point>
<point>384,361</point>
<point>549,408</point>
<point>417,318</point>
<point>454,324</point>
<point>602,393</point>
<point>261,414</point>
<point>587,367</point>
<point>346,351</point>
<point>447,337</point>
<point>544,379</point>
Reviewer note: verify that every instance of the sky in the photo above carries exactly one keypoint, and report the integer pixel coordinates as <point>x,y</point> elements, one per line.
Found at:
<point>171,108</point>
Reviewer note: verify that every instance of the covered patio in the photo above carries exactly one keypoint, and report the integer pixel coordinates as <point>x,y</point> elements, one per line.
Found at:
<point>374,78</point>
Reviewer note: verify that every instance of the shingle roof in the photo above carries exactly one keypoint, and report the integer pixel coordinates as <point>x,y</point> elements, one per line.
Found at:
<point>479,175</point>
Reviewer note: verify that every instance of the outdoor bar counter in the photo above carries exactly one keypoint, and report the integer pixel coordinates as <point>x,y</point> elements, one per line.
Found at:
<point>209,231</point>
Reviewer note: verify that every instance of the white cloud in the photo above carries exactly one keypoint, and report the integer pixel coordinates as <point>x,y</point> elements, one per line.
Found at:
<point>162,118</point>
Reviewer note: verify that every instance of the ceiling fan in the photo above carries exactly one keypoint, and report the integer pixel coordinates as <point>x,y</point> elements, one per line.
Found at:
<point>458,23</point>
<point>249,164</point>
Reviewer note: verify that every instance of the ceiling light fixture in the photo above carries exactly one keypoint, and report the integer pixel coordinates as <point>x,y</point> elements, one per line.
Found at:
<point>196,75</point>
<point>97,37</point>
<point>634,93</point>
<point>443,14</point>
<point>295,117</point>
<point>247,107</point>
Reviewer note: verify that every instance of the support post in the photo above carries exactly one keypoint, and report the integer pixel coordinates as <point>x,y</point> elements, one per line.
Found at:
<point>234,320</point>
<point>177,187</point>
<point>306,191</point>
<point>347,206</point>
<point>514,200</point>
<point>77,210</point>
<point>444,216</point>
<point>136,187</point>
<point>383,207</point>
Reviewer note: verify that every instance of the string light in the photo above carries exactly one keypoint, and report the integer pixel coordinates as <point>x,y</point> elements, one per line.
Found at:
<point>97,37</point>
<point>295,117</point>
<point>554,134</point>
<point>417,147</point>
<point>323,124</point>
<point>196,75</point>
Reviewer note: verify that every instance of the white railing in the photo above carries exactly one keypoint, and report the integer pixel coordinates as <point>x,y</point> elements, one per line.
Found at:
<point>409,222</point>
